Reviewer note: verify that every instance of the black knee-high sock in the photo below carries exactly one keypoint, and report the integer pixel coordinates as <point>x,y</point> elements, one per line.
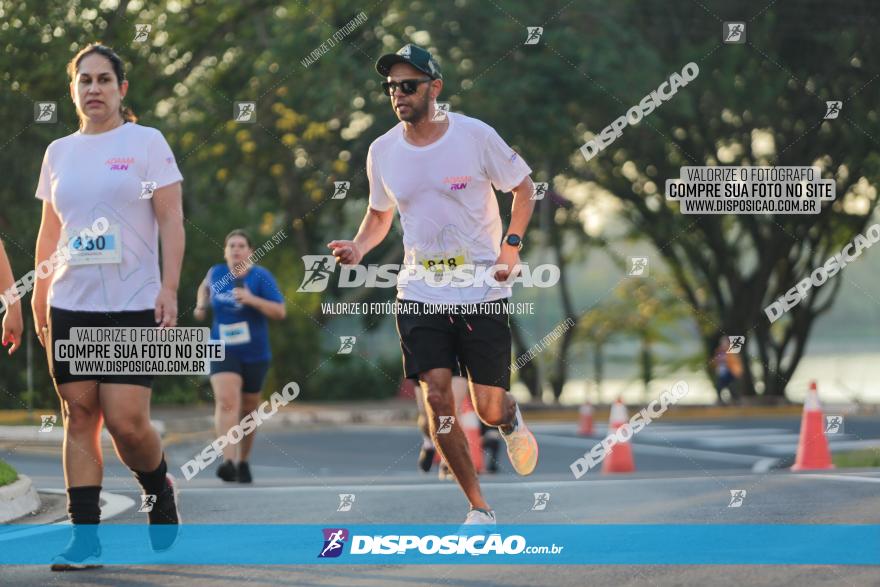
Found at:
<point>153,482</point>
<point>84,504</point>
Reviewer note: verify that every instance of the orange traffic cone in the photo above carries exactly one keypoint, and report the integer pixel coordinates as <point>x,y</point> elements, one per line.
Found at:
<point>620,459</point>
<point>586,419</point>
<point>812,451</point>
<point>470,423</point>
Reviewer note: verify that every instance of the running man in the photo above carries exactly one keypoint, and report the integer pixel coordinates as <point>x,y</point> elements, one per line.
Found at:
<point>94,177</point>
<point>243,297</point>
<point>439,172</point>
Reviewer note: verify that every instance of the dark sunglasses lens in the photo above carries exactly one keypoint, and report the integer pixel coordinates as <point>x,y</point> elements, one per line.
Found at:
<point>409,86</point>
<point>386,87</point>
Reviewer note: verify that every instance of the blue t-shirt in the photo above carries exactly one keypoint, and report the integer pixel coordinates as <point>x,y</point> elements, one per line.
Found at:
<point>244,328</point>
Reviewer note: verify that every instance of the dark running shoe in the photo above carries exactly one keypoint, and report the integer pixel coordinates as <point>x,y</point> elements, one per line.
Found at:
<point>426,458</point>
<point>82,551</point>
<point>244,473</point>
<point>165,517</point>
<point>228,472</point>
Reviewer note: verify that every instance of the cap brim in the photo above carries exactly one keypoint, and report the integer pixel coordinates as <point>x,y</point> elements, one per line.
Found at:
<point>386,62</point>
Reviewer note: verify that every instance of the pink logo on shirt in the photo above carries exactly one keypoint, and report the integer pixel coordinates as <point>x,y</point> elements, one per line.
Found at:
<point>119,163</point>
<point>457,182</point>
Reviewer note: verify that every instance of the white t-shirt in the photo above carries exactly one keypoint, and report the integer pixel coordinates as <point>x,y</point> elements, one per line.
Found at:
<point>90,176</point>
<point>443,192</point>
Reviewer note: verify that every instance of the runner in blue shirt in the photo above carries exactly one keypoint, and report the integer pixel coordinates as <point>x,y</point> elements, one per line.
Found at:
<point>243,298</point>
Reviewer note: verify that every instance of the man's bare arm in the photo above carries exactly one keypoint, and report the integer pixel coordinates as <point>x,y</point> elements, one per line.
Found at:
<point>372,231</point>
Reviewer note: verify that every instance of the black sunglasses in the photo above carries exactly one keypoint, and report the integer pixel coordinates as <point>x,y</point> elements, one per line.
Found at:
<point>408,86</point>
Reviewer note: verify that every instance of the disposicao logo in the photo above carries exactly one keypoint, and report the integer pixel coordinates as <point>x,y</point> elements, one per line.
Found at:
<point>334,540</point>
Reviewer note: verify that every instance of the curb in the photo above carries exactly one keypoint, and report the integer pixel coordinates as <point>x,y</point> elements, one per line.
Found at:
<point>18,499</point>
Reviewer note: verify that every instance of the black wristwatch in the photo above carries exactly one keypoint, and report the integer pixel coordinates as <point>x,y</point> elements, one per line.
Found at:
<point>514,240</point>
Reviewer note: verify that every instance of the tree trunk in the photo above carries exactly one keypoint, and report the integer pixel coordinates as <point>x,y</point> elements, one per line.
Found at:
<point>647,367</point>
<point>598,368</point>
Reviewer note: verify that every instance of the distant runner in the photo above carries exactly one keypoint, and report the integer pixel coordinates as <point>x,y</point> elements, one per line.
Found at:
<point>243,298</point>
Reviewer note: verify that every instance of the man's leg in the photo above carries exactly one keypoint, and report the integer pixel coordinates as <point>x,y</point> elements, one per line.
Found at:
<point>437,386</point>
<point>495,406</point>
<point>485,353</point>
<point>427,452</point>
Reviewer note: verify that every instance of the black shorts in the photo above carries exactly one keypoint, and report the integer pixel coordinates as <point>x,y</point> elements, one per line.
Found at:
<point>253,374</point>
<point>479,340</point>
<point>60,323</point>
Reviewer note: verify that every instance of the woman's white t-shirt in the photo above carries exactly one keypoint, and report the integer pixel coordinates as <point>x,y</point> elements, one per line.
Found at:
<point>108,175</point>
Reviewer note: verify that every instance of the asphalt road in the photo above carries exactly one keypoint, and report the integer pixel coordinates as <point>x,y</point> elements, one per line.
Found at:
<point>685,473</point>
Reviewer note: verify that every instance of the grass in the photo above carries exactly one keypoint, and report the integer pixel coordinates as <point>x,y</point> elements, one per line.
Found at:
<point>868,457</point>
<point>7,474</point>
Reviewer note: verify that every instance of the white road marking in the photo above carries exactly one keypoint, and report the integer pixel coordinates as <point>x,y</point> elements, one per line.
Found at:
<point>831,477</point>
<point>586,444</point>
<point>114,504</point>
<point>407,487</point>
<point>764,465</point>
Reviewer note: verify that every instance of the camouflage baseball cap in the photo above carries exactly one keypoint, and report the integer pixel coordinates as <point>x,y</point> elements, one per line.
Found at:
<point>413,55</point>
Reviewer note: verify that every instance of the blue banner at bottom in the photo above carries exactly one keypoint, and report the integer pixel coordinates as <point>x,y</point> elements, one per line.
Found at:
<point>599,544</point>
